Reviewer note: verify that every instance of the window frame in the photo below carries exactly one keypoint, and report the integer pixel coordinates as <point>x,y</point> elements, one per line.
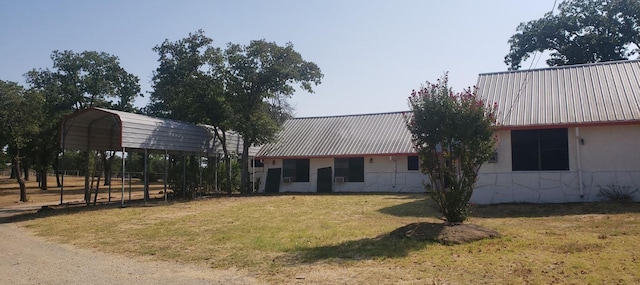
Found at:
<point>297,169</point>
<point>413,165</point>
<point>351,168</point>
<point>257,162</point>
<point>540,150</point>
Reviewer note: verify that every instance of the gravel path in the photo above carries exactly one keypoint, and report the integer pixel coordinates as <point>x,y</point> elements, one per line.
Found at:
<point>27,259</point>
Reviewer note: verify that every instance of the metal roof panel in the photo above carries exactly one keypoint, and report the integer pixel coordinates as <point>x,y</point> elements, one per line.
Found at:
<point>350,135</point>
<point>578,94</point>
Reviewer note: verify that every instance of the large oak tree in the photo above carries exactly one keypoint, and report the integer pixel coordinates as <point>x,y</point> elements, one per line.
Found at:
<point>78,81</point>
<point>260,77</point>
<point>20,117</point>
<point>188,86</point>
<point>583,31</point>
<point>243,88</point>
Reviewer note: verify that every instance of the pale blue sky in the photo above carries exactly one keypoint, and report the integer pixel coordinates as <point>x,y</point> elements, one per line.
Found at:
<point>372,53</point>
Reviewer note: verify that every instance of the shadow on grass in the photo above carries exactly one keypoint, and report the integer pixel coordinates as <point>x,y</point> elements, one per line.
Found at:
<point>424,207</point>
<point>524,210</point>
<point>33,212</point>
<point>394,244</point>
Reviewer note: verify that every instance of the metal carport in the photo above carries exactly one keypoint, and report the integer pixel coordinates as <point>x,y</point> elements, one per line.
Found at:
<point>109,130</point>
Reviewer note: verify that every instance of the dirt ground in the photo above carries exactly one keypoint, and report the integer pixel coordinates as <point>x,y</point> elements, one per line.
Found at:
<point>27,259</point>
<point>73,191</point>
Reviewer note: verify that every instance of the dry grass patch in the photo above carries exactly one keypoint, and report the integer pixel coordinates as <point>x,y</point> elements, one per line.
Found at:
<point>347,239</point>
<point>73,191</point>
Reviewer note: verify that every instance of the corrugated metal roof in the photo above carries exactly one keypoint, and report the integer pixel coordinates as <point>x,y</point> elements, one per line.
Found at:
<point>105,129</point>
<point>601,93</point>
<point>352,135</point>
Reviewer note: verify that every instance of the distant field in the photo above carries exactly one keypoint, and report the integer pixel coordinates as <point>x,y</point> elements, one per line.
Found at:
<point>345,239</point>
<point>73,190</point>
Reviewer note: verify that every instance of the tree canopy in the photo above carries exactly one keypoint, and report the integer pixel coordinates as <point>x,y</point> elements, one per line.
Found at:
<point>453,136</point>
<point>21,119</point>
<point>77,81</point>
<point>188,86</point>
<point>259,77</point>
<point>87,79</point>
<point>243,88</point>
<point>583,31</point>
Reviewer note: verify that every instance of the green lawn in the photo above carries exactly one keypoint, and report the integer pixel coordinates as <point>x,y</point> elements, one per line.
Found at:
<point>344,239</point>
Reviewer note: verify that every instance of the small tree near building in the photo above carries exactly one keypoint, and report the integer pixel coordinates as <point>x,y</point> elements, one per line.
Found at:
<point>453,136</point>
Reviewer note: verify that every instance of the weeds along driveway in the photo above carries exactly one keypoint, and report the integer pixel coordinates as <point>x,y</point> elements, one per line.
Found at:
<point>27,259</point>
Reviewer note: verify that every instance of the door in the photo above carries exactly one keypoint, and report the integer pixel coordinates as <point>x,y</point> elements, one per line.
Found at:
<point>325,182</point>
<point>273,180</point>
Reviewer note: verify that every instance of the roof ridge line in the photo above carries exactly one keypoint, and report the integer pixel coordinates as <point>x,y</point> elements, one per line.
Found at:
<point>351,115</point>
<point>563,66</point>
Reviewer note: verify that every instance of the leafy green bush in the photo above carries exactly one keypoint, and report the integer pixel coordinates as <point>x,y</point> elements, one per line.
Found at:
<point>453,136</point>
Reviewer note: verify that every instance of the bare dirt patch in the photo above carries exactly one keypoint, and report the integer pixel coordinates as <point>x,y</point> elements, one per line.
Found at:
<point>73,191</point>
<point>445,234</point>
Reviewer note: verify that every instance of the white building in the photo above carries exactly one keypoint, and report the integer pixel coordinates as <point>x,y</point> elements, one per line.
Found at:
<point>564,133</point>
<point>356,153</point>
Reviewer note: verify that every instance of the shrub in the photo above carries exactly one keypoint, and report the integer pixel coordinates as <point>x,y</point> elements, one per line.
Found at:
<point>453,136</point>
<point>614,192</point>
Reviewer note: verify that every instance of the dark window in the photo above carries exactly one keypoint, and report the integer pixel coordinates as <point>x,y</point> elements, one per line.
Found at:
<point>297,169</point>
<point>352,169</point>
<point>536,150</point>
<point>493,158</point>
<point>258,163</point>
<point>412,163</point>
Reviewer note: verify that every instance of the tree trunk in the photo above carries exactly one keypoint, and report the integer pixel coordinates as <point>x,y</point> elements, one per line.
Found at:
<point>227,160</point>
<point>16,167</point>
<point>25,168</point>
<point>45,185</point>
<point>58,181</point>
<point>57,171</point>
<point>244,168</point>
<point>227,165</point>
<point>107,166</point>
<point>42,179</point>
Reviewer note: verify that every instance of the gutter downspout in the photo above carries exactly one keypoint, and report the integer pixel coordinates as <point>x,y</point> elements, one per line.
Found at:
<point>395,171</point>
<point>579,160</point>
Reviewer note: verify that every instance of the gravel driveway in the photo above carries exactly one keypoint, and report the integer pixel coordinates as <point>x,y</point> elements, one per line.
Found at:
<point>27,259</point>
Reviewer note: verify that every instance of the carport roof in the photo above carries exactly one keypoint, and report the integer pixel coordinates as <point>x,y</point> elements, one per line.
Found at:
<point>105,129</point>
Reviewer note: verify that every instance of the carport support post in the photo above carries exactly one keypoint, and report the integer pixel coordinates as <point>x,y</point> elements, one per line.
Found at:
<point>87,191</point>
<point>130,161</point>
<point>122,178</point>
<point>184,175</point>
<point>166,174</point>
<point>215,174</point>
<point>146,175</point>
<point>105,177</point>
<point>62,168</point>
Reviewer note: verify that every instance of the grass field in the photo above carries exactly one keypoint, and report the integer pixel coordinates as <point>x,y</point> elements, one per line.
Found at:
<point>344,239</point>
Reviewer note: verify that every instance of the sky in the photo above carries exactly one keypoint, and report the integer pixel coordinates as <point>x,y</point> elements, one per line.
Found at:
<point>372,52</point>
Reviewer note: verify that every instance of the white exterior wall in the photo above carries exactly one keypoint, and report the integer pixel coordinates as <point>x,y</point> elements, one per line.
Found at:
<point>610,155</point>
<point>381,174</point>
